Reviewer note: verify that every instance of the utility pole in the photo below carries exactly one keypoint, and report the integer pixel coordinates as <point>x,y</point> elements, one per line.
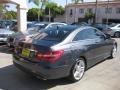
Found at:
<point>96,6</point>
<point>66,11</point>
<point>75,15</point>
<point>49,15</point>
<point>39,11</point>
<point>107,12</point>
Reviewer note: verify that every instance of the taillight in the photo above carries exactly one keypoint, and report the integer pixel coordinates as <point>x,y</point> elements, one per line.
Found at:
<point>50,56</point>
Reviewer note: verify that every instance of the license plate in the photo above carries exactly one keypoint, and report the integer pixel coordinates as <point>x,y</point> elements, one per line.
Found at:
<point>26,52</point>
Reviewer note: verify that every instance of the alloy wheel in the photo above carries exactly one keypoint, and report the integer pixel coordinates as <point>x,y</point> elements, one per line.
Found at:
<point>114,51</point>
<point>79,70</point>
<point>117,34</point>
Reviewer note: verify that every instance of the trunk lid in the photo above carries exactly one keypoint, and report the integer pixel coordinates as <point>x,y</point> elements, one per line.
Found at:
<point>28,50</point>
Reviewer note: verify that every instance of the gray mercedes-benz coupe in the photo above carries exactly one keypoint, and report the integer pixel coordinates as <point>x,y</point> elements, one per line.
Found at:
<point>64,52</point>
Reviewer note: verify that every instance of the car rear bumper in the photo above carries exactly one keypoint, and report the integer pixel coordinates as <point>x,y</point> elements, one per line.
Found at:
<point>3,40</point>
<point>41,72</point>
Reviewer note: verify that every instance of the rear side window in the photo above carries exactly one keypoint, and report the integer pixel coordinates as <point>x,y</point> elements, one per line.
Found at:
<point>90,33</point>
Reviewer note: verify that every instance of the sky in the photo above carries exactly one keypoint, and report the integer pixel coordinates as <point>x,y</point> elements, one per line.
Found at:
<point>59,2</point>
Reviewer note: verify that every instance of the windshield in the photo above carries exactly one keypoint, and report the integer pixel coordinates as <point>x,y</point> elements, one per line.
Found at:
<point>29,25</point>
<point>41,26</point>
<point>33,27</point>
<point>113,25</point>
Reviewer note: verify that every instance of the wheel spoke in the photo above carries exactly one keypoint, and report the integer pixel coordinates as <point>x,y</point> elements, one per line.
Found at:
<point>76,74</point>
<point>114,51</point>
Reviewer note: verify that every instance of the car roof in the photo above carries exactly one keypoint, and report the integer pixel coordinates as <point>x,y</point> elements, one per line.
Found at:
<point>64,27</point>
<point>40,23</point>
<point>71,28</point>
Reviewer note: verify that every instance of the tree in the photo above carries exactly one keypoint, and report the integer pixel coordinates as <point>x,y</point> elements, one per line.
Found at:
<point>77,1</point>
<point>89,16</point>
<point>14,14</point>
<point>54,9</point>
<point>9,15</point>
<point>2,8</point>
<point>33,13</point>
<point>38,2</point>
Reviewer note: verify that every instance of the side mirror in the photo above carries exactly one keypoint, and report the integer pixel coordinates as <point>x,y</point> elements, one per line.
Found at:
<point>108,36</point>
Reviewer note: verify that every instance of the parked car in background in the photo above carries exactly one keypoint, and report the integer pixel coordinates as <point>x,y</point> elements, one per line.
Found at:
<point>103,27</point>
<point>4,34</point>
<point>63,52</point>
<point>80,24</point>
<point>7,24</point>
<point>32,29</point>
<point>46,25</point>
<point>115,30</point>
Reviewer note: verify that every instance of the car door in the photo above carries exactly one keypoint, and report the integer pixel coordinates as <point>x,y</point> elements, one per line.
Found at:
<point>84,44</point>
<point>102,46</point>
<point>98,46</point>
<point>93,44</point>
<point>106,44</point>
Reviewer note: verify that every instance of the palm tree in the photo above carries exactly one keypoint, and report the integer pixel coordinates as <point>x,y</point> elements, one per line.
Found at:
<point>76,2</point>
<point>40,4</point>
<point>37,2</point>
<point>3,10</point>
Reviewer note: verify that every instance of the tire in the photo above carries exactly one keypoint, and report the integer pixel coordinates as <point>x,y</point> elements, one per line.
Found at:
<point>77,70</point>
<point>117,34</point>
<point>113,52</point>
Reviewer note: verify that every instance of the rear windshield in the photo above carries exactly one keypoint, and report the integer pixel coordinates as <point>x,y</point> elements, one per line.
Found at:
<point>113,25</point>
<point>42,26</point>
<point>53,34</point>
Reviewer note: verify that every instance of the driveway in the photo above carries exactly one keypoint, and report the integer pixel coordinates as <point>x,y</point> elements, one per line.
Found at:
<point>104,76</point>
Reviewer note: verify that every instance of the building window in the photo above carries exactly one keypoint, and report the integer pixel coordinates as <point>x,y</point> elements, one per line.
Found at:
<point>118,10</point>
<point>71,12</point>
<point>81,10</point>
<point>108,10</point>
<point>90,10</point>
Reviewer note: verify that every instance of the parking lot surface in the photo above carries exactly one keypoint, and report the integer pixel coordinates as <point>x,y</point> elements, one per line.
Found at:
<point>104,76</point>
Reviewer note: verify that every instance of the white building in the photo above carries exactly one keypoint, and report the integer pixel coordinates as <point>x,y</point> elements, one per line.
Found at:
<point>105,10</point>
<point>21,13</point>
